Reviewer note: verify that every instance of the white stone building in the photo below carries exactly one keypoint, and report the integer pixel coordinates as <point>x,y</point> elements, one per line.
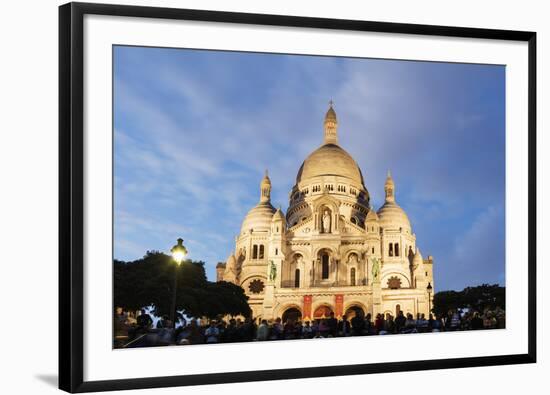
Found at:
<point>332,251</point>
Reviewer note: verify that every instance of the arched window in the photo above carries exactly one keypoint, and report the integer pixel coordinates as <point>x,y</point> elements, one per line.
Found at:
<point>276,251</point>
<point>261,255</point>
<point>390,251</point>
<point>324,268</point>
<point>397,309</point>
<point>373,250</point>
<point>352,276</point>
<point>297,278</point>
<point>254,251</point>
<point>396,249</point>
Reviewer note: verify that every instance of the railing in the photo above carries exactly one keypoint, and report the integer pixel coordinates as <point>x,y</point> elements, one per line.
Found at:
<point>321,284</point>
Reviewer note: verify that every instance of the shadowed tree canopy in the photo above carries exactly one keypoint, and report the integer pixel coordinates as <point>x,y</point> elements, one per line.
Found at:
<point>150,280</point>
<point>479,298</point>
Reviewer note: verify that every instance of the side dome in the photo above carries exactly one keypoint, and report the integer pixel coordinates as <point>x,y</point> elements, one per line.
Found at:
<point>278,216</point>
<point>417,260</point>
<point>330,159</point>
<point>260,216</point>
<point>372,216</point>
<point>390,215</point>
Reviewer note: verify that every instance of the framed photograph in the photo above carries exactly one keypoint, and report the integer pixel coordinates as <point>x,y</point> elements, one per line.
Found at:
<point>250,197</point>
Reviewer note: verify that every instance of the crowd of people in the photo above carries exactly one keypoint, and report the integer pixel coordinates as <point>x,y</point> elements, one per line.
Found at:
<point>245,330</point>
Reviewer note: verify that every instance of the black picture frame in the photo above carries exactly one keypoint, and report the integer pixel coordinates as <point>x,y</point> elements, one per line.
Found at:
<point>71,196</point>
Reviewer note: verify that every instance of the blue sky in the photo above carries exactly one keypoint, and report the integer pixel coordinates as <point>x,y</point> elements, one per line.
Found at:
<point>194,131</point>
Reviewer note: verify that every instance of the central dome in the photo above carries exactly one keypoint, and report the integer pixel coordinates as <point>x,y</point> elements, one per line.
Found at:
<point>327,160</point>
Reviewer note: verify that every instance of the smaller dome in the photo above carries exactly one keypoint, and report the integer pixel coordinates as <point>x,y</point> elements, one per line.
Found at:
<point>391,216</point>
<point>278,216</point>
<point>417,260</point>
<point>372,216</point>
<point>258,218</point>
<point>231,261</point>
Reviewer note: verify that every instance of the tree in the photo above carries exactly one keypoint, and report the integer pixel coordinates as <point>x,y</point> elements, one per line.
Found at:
<point>150,281</point>
<point>479,298</point>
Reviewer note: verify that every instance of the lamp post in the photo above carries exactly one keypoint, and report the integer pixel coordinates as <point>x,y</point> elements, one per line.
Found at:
<point>178,254</point>
<point>429,288</point>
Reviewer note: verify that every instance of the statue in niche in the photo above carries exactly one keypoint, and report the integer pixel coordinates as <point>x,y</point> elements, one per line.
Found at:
<point>299,259</point>
<point>352,258</point>
<point>272,271</point>
<point>375,269</point>
<point>326,222</point>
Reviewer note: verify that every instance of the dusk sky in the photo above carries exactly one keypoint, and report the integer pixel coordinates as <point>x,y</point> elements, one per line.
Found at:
<point>195,130</point>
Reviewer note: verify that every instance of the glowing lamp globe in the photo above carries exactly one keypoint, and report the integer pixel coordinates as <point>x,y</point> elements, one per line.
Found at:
<point>179,252</point>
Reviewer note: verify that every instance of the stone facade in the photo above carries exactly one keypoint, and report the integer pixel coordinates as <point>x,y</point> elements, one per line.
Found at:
<point>331,251</point>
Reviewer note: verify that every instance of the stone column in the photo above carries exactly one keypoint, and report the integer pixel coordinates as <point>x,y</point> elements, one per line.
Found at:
<point>376,298</point>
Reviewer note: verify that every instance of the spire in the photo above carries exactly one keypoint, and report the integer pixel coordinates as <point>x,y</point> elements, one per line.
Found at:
<point>265,189</point>
<point>331,126</point>
<point>389,188</point>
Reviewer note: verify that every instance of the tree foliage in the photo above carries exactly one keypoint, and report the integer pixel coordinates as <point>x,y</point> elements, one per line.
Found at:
<point>479,298</point>
<point>150,280</point>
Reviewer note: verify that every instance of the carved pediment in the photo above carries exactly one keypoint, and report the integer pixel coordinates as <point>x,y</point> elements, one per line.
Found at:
<point>304,228</point>
<point>348,228</point>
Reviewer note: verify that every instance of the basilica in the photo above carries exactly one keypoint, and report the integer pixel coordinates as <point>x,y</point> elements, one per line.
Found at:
<point>331,251</point>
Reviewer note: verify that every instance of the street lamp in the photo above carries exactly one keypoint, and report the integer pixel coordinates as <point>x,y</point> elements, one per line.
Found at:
<point>429,288</point>
<point>178,254</point>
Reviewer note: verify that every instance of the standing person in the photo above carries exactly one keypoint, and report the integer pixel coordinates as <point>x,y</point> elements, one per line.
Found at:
<point>490,322</point>
<point>195,336</point>
<point>400,321</point>
<point>410,324</point>
<point>288,330</point>
<point>307,330</point>
<point>476,322</point>
<point>389,324</point>
<point>324,329</point>
<point>315,327</point>
<point>448,320</point>
<point>455,321</point>
<point>212,333</point>
<point>249,330</point>
<point>422,324</point>
<point>368,325</point>
<point>144,321</point>
<point>358,324</point>
<point>276,330</point>
<point>344,327</point>
<point>298,327</point>
<point>332,324</point>
<point>263,331</point>
<point>379,323</point>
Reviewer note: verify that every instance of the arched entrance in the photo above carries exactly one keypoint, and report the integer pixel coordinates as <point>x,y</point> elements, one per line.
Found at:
<point>292,314</point>
<point>322,311</point>
<point>323,268</point>
<point>353,311</point>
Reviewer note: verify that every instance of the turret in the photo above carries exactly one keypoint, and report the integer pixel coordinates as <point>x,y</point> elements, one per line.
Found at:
<point>220,269</point>
<point>389,188</point>
<point>265,189</point>
<point>331,126</point>
<point>230,274</point>
<point>417,270</point>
